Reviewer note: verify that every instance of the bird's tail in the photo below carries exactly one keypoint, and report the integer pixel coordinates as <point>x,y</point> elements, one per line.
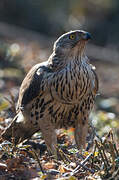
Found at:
<point>18,130</point>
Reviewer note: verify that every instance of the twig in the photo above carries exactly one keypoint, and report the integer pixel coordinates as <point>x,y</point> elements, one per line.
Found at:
<point>115,175</point>
<point>99,149</point>
<point>113,156</point>
<point>63,155</point>
<point>112,135</point>
<point>37,158</point>
<point>114,144</point>
<point>103,145</point>
<point>82,165</point>
<point>93,156</point>
<point>112,150</point>
<point>115,148</point>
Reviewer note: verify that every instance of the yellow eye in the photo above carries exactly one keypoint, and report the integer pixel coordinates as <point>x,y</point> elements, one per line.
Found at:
<point>72,36</point>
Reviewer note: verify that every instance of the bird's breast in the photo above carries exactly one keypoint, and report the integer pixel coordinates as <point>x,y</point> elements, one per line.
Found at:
<point>72,83</point>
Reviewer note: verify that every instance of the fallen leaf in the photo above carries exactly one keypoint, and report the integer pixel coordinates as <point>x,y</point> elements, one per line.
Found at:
<point>43,177</point>
<point>13,163</point>
<point>64,169</point>
<point>96,153</point>
<point>86,153</point>
<point>49,165</point>
<point>2,119</point>
<point>72,178</point>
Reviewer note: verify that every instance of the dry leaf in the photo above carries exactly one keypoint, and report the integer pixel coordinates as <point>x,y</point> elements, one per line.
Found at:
<point>2,119</point>
<point>49,165</point>
<point>64,169</point>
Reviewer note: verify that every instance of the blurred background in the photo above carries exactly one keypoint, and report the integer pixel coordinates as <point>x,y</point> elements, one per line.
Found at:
<point>28,29</point>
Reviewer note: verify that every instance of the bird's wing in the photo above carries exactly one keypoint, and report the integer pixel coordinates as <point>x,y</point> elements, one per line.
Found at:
<point>31,85</point>
<point>96,83</point>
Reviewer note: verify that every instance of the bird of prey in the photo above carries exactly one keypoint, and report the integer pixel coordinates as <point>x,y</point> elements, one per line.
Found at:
<point>58,93</point>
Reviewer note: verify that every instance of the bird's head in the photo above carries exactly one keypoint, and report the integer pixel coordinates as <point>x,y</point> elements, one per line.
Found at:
<point>71,42</point>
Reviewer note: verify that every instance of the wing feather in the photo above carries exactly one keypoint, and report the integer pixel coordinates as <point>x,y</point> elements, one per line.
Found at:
<point>96,88</point>
<point>31,85</point>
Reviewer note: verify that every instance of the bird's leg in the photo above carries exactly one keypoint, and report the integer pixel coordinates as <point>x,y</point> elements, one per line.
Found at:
<point>50,136</point>
<point>81,129</point>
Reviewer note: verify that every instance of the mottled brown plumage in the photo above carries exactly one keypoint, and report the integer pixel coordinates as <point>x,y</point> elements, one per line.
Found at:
<point>58,93</point>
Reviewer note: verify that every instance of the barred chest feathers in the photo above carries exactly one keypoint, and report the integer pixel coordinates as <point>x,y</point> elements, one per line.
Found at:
<point>73,82</point>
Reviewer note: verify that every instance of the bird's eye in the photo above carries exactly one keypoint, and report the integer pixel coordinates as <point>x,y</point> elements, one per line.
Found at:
<point>72,36</point>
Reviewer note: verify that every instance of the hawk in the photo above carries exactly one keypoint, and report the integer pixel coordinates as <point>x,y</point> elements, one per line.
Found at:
<point>58,93</point>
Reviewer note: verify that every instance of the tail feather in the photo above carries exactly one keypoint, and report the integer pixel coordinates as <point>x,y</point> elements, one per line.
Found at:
<point>18,130</point>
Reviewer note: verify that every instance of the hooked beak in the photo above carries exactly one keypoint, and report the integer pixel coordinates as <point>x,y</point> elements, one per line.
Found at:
<point>86,36</point>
